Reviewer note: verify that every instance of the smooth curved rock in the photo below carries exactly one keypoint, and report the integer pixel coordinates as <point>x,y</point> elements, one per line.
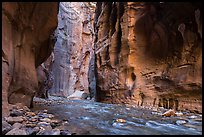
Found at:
<point>17,131</point>
<point>6,127</point>
<point>26,43</point>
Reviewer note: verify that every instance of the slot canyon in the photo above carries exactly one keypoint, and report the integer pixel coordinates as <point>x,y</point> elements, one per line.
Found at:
<point>101,68</point>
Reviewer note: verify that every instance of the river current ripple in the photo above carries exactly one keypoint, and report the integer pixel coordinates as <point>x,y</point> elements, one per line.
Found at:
<point>93,118</point>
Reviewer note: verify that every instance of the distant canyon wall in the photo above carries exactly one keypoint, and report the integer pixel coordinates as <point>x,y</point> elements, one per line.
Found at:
<point>73,51</point>
<point>149,54</point>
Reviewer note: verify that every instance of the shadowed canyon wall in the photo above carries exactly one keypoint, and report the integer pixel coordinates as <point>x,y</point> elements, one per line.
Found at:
<point>26,43</point>
<point>74,48</point>
<point>149,54</point>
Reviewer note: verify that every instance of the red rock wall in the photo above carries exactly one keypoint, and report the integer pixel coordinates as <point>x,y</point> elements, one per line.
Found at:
<point>26,43</point>
<point>149,54</point>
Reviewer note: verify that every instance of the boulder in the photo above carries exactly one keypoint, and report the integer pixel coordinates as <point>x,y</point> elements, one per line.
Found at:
<point>17,125</point>
<point>17,131</point>
<point>6,127</point>
<point>12,120</point>
<point>44,125</point>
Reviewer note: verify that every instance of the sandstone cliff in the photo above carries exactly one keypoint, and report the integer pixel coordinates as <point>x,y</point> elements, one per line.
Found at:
<point>74,48</point>
<point>26,43</point>
<point>149,54</point>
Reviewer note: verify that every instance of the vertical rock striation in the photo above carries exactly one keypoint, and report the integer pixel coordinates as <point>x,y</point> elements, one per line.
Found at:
<point>26,43</point>
<point>74,49</point>
<point>149,54</point>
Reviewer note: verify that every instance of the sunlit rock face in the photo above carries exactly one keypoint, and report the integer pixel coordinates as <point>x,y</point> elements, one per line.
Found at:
<point>26,43</point>
<point>73,50</point>
<point>149,54</point>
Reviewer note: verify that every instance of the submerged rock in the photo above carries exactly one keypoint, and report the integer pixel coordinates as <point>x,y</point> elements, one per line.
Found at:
<point>169,113</point>
<point>180,122</point>
<point>120,120</point>
<point>192,117</point>
<point>179,114</point>
<point>49,132</point>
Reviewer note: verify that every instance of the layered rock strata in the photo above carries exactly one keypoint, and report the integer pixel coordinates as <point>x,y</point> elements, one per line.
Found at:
<point>73,50</point>
<point>149,54</point>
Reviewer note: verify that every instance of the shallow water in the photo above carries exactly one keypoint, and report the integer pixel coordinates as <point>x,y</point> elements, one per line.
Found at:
<point>94,118</point>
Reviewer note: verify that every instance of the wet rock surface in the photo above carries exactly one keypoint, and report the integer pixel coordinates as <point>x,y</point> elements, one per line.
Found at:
<point>85,117</point>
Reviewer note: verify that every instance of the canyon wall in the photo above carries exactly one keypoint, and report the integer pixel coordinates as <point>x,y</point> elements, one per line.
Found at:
<point>73,51</point>
<point>26,43</point>
<point>149,54</point>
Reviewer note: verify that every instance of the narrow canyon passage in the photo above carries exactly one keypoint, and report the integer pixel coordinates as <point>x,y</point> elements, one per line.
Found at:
<point>108,68</point>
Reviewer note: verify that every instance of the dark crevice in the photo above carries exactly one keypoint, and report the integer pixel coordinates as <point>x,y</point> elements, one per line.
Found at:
<point>113,19</point>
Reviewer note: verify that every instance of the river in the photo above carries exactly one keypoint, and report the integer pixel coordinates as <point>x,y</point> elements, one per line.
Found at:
<point>86,117</point>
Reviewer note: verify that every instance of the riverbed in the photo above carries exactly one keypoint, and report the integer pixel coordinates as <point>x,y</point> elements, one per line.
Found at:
<point>87,117</point>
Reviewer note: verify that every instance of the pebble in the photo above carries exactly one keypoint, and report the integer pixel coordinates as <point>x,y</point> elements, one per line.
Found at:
<point>30,114</point>
<point>30,124</point>
<point>12,120</point>
<point>44,125</point>
<point>15,113</point>
<point>6,127</point>
<point>17,125</point>
<point>26,108</point>
<point>45,110</point>
<point>22,121</point>
<point>33,119</point>
<point>43,115</point>
<point>32,131</point>
<point>17,131</point>
<point>156,113</point>
<point>46,120</point>
<point>50,116</point>
<point>155,109</point>
<point>55,121</point>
